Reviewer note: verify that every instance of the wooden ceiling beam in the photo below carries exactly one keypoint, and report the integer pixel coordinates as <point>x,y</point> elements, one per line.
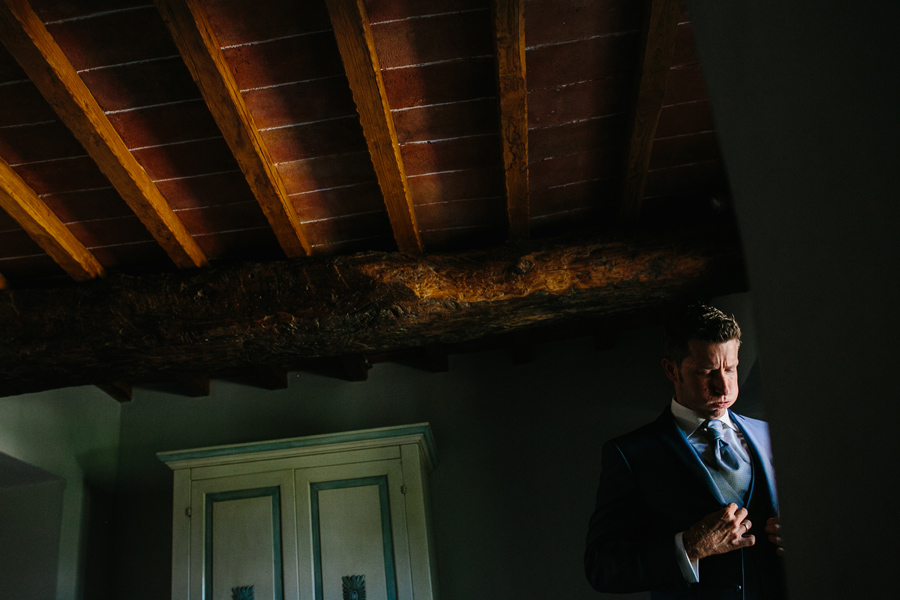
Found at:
<point>202,53</point>
<point>355,367</point>
<point>44,227</point>
<point>656,51</point>
<point>193,385</point>
<point>509,40</point>
<point>228,318</point>
<point>119,391</point>
<point>26,38</point>
<point>271,378</point>
<point>357,47</point>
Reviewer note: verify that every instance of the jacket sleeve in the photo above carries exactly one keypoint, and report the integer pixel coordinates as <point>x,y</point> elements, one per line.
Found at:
<point>627,549</point>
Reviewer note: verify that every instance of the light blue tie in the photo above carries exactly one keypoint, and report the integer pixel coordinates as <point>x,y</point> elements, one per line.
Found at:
<point>726,459</point>
<point>728,465</point>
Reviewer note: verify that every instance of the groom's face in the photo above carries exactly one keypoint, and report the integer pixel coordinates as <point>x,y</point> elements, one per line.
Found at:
<point>706,381</point>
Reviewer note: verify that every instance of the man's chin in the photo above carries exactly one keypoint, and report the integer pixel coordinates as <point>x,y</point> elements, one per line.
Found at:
<point>718,409</point>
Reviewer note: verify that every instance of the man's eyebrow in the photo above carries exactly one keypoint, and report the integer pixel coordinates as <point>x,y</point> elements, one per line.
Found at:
<point>711,366</point>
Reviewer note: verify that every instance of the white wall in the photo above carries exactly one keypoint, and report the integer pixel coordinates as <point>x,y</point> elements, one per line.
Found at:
<point>30,524</point>
<point>72,434</point>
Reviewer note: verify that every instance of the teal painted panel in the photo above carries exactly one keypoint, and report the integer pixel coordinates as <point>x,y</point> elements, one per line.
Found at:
<point>388,548</point>
<point>275,493</point>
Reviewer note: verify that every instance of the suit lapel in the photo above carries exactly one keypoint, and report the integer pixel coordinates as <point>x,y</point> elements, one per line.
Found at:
<point>672,436</point>
<point>757,438</point>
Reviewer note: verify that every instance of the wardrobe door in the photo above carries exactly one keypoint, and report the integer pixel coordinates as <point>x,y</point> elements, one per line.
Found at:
<point>352,533</point>
<point>243,538</point>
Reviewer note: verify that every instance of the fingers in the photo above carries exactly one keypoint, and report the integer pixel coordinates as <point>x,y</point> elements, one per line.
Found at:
<point>773,528</point>
<point>719,532</point>
<point>739,518</point>
<point>739,527</point>
<point>742,537</point>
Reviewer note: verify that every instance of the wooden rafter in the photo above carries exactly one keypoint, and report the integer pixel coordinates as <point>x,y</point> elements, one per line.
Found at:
<point>44,227</point>
<point>355,367</point>
<point>509,37</point>
<point>657,47</point>
<point>355,42</point>
<point>193,385</point>
<point>26,38</point>
<point>119,391</point>
<point>243,315</point>
<point>202,53</point>
<point>271,378</point>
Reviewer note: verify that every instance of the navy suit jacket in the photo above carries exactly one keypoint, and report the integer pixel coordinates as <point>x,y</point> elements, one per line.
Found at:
<point>654,485</point>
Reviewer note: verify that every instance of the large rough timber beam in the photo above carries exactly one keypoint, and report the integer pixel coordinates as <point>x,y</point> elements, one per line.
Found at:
<point>139,329</point>
<point>26,38</point>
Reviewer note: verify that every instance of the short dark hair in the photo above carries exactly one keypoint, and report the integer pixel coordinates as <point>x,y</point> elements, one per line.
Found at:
<point>697,322</point>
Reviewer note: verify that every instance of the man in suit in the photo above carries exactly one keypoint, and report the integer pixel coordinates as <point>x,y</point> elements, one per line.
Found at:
<point>686,505</point>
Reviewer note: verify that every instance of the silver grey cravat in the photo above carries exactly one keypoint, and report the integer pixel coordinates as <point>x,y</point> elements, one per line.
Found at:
<point>726,459</point>
<point>728,465</point>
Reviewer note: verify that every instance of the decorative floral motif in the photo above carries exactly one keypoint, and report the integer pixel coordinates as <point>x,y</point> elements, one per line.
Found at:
<point>242,593</point>
<point>354,587</point>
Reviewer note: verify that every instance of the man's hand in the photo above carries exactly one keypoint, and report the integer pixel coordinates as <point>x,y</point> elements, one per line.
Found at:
<point>773,528</point>
<point>717,533</point>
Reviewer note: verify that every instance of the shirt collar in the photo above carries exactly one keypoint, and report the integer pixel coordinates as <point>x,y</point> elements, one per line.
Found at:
<point>690,422</point>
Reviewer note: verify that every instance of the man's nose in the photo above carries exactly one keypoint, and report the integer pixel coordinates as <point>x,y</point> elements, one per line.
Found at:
<point>721,385</point>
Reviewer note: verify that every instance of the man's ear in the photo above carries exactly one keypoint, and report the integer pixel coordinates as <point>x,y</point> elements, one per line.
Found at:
<point>671,370</point>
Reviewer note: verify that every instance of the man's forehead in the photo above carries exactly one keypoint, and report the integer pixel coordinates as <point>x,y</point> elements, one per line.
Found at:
<point>705,350</point>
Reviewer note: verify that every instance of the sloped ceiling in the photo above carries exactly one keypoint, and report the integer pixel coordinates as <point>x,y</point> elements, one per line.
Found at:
<point>198,186</point>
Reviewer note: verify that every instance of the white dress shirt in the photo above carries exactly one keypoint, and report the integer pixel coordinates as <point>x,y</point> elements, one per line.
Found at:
<point>689,422</point>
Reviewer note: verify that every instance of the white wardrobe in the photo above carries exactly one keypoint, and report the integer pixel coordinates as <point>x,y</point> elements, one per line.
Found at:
<point>328,517</point>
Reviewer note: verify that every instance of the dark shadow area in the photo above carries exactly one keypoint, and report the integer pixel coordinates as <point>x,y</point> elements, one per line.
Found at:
<point>99,557</point>
<point>31,502</point>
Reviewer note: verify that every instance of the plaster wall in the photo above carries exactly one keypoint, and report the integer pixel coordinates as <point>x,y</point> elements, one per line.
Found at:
<point>30,519</point>
<point>72,435</point>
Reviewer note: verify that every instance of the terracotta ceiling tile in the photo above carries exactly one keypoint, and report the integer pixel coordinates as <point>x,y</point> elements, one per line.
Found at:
<point>431,39</point>
<point>480,182</point>
<point>239,22</point>
<point>113,38</point>
<point>439,83</point>
<point>206,190</point>
<point>444,121</point>
<point>42,141</point>
<point>322,138</point>
<point>391,10</point>
<point>552,21</point>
